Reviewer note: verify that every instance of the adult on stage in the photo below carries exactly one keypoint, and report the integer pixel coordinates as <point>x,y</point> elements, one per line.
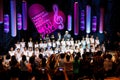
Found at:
<point>67,36</point>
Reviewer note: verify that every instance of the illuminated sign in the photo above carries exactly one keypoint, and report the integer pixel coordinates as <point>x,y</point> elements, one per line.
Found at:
<point>46,22</point>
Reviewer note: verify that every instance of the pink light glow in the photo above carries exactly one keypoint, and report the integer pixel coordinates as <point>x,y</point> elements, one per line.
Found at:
<point>76,19</point>
<point>1,11</point>
<point>101,20</point>
<point>58,18</point>
<point>46,22</point>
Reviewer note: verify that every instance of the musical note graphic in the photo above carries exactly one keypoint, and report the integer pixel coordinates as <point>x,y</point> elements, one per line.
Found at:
<point>58,19</point>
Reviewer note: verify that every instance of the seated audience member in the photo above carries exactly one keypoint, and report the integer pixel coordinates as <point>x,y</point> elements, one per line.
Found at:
<point>76,66</point>
<point>108,65</point>
<point>117,71</point>
<point>23,68</point>
<point>85,67</point>
<point>61,60</point>
<point>69,66</point>
<point>60,74</point>
<point>38,61</point>
<point>52,62</point>
<point>33,64</point>
<point>14,68</point>
<point>3,75</point>
<point>6,62</point>
<point>43,74</point>
<point>98,70</point>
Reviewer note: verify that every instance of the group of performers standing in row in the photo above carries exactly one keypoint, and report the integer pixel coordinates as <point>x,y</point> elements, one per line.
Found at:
<point>50,46</point>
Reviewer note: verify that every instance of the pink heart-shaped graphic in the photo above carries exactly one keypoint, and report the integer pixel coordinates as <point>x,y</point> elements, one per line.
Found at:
<point>46,22</point>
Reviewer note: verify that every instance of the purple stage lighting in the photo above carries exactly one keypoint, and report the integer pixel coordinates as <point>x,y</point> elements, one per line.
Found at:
<point>69,22</point>
<point>76,18</point>
<point>88,18</point>
<point>19,21</point>
<point>101,20</point>
<point>13,17</point>
<point>82,20</point>
<point>94,23</point>
<point>24,15</point>
<point>6,23</point>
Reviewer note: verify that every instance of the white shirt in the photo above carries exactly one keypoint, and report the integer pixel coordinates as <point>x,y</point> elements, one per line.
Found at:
<point>68,43</point>
<point>25,52</point>
<point>36,45</point>
<point>92,40</point>
<point>76,50</point>
<point>45,45</point>
<point>79,43</point>
<point>92,49</point>
<point>87,50</point>
<point>30,53</point>
<point>36,53</point>
<point>83,42</point>
<point>72,42</point>
<point>18,56</point>
<point>87,41</point>
<point>81,51</point>
<point>30,44</point>
<point>76,44</point>
<point>54,44</point>
<point>63,43</point>
<point>41,45</point>
<point>97,42</point>
<point>22,44</point>
<point>58,43</point>
<point>11,53</point>
<point>17,46</point>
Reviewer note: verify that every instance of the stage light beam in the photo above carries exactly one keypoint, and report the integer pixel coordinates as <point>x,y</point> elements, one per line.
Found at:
<point>69,22</point>
<point>1,11</point>
<point>88,19</point>
<point>94,23</point>
<point>101,20</point>
<point>19,21</point>
<point>6,23</point>
<point>76,18</point>
<point>24,14</point>
<point>82,20</point>
<point>13,17</point>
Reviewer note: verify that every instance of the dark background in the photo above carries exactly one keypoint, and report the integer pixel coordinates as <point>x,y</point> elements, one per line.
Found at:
<point>112,19</point>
